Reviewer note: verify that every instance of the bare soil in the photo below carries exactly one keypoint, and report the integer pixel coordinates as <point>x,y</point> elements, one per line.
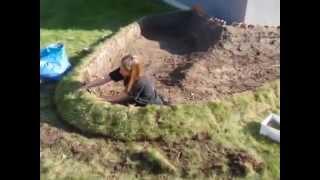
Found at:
<point>200,155</point>
<point>241,60</point>
<point>213,157</point>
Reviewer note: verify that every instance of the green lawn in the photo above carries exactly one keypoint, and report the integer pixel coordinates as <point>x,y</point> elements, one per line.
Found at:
<point>81,24</point>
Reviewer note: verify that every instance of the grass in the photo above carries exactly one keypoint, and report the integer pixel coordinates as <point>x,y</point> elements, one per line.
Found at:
<point>90,114</point>
<point>233,122</point>
<point>80,23</point>
<point>236,129</point>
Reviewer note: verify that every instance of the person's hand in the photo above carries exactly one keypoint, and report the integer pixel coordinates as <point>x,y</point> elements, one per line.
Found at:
<point>85,88</point>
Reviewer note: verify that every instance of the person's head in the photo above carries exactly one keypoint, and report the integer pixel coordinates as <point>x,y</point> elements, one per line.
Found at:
<point>131,68</point>
<point>197,8</point>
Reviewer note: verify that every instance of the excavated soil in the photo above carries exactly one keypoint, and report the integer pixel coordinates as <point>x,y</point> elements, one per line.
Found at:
<point>241,59</point>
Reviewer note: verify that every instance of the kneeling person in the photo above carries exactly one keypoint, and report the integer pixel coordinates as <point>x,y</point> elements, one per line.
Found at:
<point>139,90</point>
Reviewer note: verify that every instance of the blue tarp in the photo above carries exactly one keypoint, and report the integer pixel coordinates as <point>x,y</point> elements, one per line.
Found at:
<point>54,62</point>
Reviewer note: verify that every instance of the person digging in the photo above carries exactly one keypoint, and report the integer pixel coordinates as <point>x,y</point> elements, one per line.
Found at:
<point>139,89</point>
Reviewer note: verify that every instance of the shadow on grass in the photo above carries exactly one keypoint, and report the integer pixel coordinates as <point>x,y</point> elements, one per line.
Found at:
<point>145,164</point>
<point>75,59</point>
<point>86,15</point>
<point>95,14</point>
<point>48,112</point>
<point>253,128</point>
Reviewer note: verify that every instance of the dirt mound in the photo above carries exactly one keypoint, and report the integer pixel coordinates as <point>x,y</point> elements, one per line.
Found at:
<point>189,68</point>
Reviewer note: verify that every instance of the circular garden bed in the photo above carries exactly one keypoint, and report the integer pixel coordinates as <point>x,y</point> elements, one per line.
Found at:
<point>208,71</point>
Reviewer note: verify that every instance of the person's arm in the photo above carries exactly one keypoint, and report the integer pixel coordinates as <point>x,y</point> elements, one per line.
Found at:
<point>112,76</point>
<point>97,82</point>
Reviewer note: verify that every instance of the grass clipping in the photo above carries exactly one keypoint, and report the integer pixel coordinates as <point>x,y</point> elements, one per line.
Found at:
<point>93,115</point>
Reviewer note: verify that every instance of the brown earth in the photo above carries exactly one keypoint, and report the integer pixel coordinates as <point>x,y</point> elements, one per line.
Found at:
<point>243,59</point>
<point>200,155</point>
<point>214,157</point>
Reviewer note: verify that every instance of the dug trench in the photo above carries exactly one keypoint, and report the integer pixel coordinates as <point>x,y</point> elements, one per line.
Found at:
<point>193,60</point>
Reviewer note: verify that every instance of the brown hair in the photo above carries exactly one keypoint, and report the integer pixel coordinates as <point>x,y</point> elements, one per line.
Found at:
<point>135,68</point>
<point>197,8</point>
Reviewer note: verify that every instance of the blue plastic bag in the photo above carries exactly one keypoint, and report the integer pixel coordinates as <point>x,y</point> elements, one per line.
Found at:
<point>54,62</point>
